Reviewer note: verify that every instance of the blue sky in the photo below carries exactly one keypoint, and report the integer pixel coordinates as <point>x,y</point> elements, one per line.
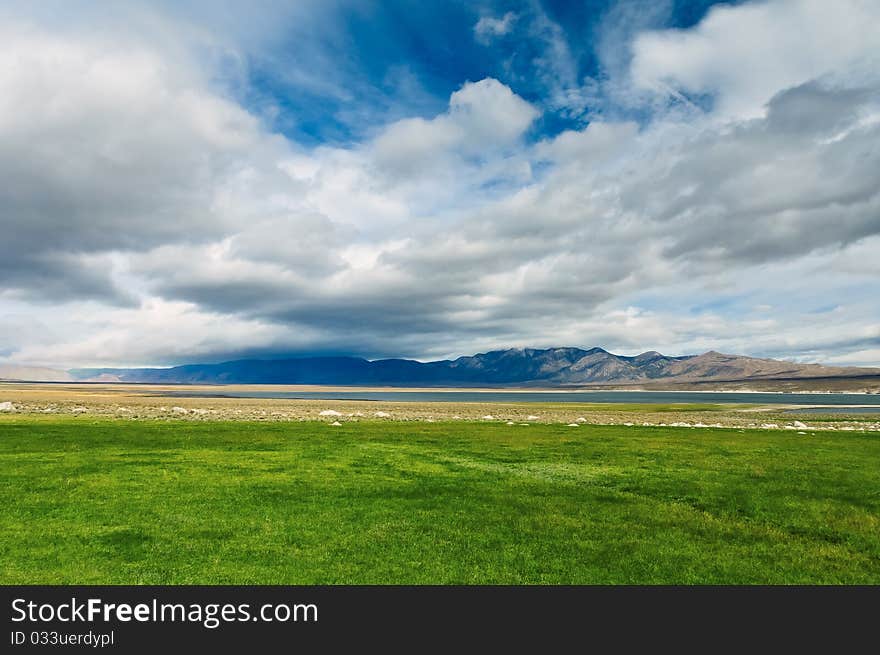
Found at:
<point>390,60</point>
<point>203,180</point>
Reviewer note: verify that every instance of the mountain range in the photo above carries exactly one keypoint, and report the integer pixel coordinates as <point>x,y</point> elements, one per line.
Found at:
<point>549,367</point>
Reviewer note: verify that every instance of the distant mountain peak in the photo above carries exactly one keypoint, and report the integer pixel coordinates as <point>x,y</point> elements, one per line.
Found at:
<point>549,367</point>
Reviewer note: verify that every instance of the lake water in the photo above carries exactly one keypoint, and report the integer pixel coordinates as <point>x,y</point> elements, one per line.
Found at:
<point>465,396</point>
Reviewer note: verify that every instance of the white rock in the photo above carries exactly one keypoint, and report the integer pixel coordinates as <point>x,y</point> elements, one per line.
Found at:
<point>574,425</point>
<point>769,426</point>
<point>532,418</point>
<point>488,417</point>
<point>7,407</point>
<point>629,425</point>
<point>330,412</point>
<point>381,414</point>
<point>179,410</point>
<point>509,423</point>
<point>581,419</point>
<point>336,423</point>
<point>799,425</point>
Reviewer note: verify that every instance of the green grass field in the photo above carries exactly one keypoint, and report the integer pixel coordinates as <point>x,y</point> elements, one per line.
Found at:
<point>112,501</point>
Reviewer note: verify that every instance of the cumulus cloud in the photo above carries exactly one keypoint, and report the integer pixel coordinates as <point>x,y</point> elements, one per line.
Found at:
<point>744,55</point>
<point>483,117</point>
<point>169,223</point>
<point>107,146</point>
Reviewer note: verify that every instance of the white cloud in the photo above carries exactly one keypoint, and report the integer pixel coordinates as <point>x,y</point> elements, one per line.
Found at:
<point>489,27</point>
<point>596,143</point>
<point>96,335</point>
<point>744,55</point>
<point>109,145</point>
<point>482,117</point>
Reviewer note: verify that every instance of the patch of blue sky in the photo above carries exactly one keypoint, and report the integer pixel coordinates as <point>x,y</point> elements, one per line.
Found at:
<point>369,63</point>
<point>824,309</point>
<point>720,304</point>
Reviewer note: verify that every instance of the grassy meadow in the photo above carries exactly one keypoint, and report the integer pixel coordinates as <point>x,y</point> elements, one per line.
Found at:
<point>103,500</point>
